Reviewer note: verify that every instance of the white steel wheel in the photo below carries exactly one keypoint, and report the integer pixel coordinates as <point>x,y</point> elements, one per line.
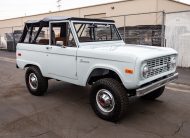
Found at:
<point>105,101</point>
<point>109,99</point>
<point>33,81</point>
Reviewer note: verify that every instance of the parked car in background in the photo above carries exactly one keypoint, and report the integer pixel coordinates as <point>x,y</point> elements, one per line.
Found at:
<point>12,39</point>
<point>3,44</point>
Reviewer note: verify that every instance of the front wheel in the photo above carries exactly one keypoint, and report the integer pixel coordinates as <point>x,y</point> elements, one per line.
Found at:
<point>35,82</point>
<point>154,94</point>
<point>109,99</point>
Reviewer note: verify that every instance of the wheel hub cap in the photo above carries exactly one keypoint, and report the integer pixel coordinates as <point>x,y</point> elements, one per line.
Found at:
<point>33,81</point>
<point>105,100</point>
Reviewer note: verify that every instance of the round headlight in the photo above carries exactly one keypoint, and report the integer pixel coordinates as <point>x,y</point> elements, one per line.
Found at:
<point>173,60</point>
<point>173,63</point>
<point>145,71</point>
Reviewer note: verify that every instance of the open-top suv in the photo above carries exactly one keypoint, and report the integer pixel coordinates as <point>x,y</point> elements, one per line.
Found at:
<point>91,52</point>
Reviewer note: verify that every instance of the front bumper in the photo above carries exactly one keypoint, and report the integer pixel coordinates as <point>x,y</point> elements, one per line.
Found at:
<point>155,85</point>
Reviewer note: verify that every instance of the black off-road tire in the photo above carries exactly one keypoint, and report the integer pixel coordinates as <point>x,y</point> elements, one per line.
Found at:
<point>155,94</point>
<point>120,97</point>
<point>42,81</point>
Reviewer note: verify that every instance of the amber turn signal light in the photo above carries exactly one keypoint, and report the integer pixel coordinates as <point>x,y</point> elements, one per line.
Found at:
<point>129,71</point>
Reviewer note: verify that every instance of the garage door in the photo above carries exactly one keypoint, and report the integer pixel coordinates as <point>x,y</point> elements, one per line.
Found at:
<point>178,35</point>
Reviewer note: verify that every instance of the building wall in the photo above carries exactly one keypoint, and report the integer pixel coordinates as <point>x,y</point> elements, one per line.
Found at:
<point>120,8</point>
<point>113,9</point>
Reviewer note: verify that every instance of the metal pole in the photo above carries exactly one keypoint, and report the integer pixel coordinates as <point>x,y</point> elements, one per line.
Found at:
<point>124,28</point>
<point>0,42</point>
<point>157,12</point>
<point>13,48</point>
<point>163,30</point>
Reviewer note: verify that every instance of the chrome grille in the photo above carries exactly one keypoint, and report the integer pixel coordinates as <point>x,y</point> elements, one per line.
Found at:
<point>158,65</point>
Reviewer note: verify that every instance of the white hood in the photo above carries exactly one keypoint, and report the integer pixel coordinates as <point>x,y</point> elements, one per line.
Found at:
<point>122,52</point>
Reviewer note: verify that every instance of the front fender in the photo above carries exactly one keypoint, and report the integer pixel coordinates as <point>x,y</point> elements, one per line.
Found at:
<point>101,66</point>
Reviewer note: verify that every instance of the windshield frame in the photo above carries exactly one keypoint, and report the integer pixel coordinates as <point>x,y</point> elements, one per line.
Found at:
<point>99,23</point>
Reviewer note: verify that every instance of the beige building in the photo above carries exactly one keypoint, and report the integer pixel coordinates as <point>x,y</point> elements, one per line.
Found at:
<point>123,7</point>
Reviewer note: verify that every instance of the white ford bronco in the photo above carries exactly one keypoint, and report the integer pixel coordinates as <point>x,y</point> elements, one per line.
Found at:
<point>91,52</point>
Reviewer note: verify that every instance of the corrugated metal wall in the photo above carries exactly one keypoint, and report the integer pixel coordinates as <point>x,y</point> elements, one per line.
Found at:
<point>178,35</point>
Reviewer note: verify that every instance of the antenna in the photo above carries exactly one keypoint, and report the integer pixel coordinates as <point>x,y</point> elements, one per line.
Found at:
<point>59,4</point>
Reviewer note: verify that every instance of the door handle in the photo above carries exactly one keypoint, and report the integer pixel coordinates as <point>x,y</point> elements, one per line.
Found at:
<point>48,48</point>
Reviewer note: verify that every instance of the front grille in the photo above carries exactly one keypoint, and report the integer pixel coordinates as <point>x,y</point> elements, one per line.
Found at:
<point>158,65</point>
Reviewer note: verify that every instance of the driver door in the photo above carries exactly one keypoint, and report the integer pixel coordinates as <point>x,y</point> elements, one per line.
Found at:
<point>62,52</point>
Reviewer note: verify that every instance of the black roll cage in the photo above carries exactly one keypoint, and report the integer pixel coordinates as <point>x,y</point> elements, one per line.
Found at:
<point>45,23</point>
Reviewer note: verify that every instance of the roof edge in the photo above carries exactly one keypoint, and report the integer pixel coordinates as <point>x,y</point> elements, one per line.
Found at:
<point>61,18</point>
<point>180,2</point>
<point>78,8</point>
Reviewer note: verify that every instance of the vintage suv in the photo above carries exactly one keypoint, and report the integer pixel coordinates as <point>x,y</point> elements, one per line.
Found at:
<point>91,52</point>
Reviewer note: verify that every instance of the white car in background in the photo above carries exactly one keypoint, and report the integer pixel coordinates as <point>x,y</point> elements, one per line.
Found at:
<point>73,50</point>
<point>3,43</point>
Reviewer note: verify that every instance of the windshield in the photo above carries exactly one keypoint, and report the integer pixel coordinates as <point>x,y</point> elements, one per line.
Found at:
<point>94,32</point>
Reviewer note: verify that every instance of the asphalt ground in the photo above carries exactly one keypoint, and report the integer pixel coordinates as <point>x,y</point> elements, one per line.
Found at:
<point>65,111</point>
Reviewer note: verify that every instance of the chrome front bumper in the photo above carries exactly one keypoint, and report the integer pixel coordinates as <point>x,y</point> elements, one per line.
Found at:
<point>149,88</point>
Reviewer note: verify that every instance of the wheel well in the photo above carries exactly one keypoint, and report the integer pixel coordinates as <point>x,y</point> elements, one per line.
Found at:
<point>100,73</point>
<point>30,65</point>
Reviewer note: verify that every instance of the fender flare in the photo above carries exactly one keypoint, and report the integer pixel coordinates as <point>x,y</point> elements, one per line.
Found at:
<point>107,67</point>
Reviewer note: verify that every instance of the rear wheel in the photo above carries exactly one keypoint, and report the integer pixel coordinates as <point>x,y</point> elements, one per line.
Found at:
<point>109,99</point>
<point>155,94</point>
<point>35,82</point>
